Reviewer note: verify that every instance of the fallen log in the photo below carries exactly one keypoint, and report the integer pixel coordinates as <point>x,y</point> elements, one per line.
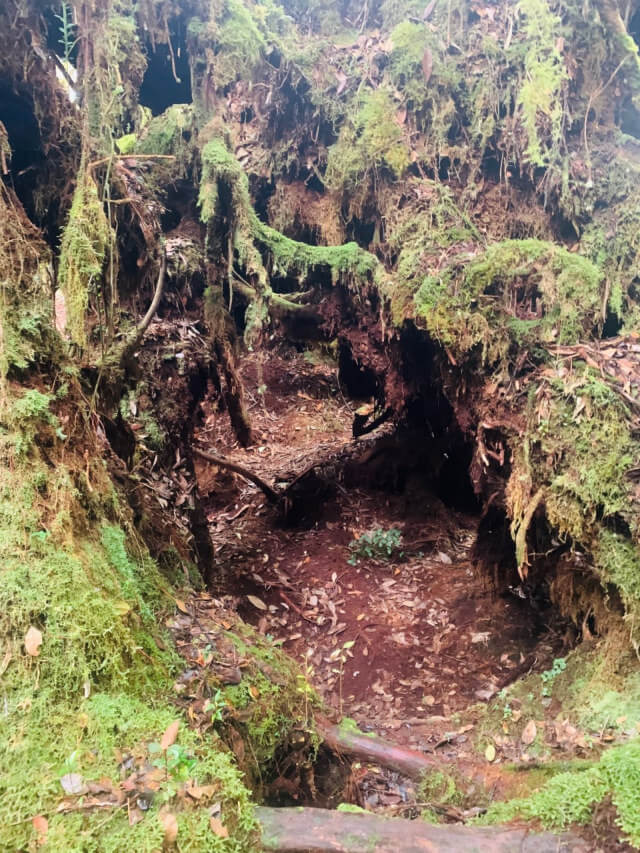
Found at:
<point>307,830</point>
<point>373,749</point>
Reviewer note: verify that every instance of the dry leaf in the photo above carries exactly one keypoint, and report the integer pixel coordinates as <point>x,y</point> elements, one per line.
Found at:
<point>169,737</point>
<point>170,825</point>
<point>182,606</point>
<point>428,10</point>
<point>73,783</point>
<point>529,734</point>
<point>257,602</point>
<point>427,65</point>
<point>41,826</point>
<point>218,828</point>
<point>33,641</point>
<point>490,752</point>
<point>60,312</point>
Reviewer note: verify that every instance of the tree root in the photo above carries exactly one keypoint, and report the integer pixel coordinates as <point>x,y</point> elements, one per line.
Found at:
<point>369,748</point>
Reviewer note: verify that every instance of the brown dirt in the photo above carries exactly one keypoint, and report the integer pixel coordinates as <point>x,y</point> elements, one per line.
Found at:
<point>429,636</point>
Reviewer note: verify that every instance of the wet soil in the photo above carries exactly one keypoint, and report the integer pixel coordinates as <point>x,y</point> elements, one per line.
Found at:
<point>398,644</point>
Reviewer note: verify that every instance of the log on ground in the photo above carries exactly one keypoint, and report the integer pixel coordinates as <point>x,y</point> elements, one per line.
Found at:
<point>307,830</point>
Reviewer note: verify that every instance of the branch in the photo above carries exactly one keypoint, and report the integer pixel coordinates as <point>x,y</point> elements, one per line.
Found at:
<point>273,496</point>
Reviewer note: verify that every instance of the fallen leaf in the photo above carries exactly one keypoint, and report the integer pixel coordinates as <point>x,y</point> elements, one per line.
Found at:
<point>41,826</point>
<point>182,606</point>
<point>33,641</point>
<point>428,10</point>
<point>170,825</point>
<point>257,602</point>
<point>529,734</point>
<point>218,828</point>
<point>135,815</point>
<point>342,82</point>
<point>170,735</point>
<point>490,752</point>
<point>73,783</point>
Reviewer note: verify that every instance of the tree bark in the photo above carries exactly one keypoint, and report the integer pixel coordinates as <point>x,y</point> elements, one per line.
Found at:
<point>306,830</point>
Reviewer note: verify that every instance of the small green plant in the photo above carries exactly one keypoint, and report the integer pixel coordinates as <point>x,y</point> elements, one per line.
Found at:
<point>376,544</point>
<point>67,31</point>
<point>176,760</point>
<point>507,710</point>
<point>549,675</point>
<point>216,706</point>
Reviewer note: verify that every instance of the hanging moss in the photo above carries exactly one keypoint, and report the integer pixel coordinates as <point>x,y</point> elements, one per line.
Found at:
<point>83,252</point>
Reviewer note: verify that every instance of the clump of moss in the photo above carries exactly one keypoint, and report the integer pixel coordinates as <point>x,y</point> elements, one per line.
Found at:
<point>572,797</point>
<point>518,292</point>
<point>262,251</point>
<point>372,141</point>
<point>83,252</point>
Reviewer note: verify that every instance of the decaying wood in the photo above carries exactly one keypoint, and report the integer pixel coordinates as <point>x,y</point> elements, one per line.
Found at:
<point>302,830</point>
<point>374,749</point>
<point>272,494</point>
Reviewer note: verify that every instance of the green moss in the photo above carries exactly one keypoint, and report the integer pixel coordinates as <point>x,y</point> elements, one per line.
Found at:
<point>572,797</point>
<point>372,141</point>
<point>483,305</point>
<point>169,133</point>
<point>92,736</point>
<point>83,252</point>
<point>272,705</point>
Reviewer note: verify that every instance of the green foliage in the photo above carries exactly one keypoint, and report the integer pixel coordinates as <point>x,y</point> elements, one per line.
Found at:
<point>549,675</point>
<point>169,133</point>
<point>29,414</point>
<point>239,43</point>
<point>67,31</point>
<point>94,733</point>
<point>83,252</point>
<point>376,544</point>
<point>571,797</point>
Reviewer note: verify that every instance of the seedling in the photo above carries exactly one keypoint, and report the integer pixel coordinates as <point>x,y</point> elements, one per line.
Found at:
<point>549,675</point>
<point>376,544</point>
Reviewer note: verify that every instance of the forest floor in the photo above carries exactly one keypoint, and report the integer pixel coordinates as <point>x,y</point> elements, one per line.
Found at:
<point>411,646</point>
<point>416,646</point>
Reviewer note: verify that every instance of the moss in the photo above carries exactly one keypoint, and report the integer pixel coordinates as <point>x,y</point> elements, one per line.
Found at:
<point>168,133</point>
<point>571,797</point>
<point>483,305</point>
<point>372,141</point>
<point>91,737</point>
<point>239,43</point>
<point>272,705</point>
<point>83,252</point>
<point>544,77</point>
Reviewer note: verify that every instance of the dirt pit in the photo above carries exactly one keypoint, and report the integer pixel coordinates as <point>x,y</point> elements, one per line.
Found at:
<point>397,641</point>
